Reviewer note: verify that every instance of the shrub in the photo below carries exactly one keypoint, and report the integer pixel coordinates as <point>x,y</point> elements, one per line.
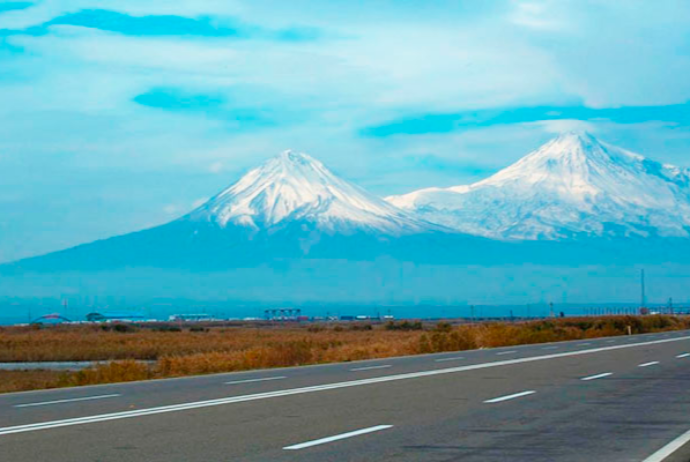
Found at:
<point>117,371</point>
<point>361,327</point>
<point>167,328</point>
<point>404,325</point>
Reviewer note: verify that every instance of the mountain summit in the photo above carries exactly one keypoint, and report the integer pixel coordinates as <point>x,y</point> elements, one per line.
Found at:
<point>574,185</point>
<point>294,187</point>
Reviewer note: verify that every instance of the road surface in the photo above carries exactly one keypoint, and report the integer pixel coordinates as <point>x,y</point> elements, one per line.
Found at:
<point>611,399</point>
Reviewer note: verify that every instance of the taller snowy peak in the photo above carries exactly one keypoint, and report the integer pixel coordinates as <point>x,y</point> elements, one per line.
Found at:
<point>294,187</point>
<point>573,185</point>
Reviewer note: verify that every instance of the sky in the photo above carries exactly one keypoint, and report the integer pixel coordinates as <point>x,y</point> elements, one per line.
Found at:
<point>117,115</point>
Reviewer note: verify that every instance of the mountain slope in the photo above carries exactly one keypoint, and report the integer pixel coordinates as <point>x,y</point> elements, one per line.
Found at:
<point>290,207</point>
<point>294,187</point>
<point>573,186</point>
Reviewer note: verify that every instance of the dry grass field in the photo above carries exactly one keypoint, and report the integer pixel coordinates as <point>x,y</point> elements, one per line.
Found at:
<point>176,351</point>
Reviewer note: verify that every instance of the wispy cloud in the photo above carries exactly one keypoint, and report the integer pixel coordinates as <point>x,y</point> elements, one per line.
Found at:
<point>540,15</point>
<point>172,99</point>
<point>454,166</point>
<point>11,6</point>
<point>143,26</point>
<point>214,105</point>
<point>167,26</point>
<point>678,114</point>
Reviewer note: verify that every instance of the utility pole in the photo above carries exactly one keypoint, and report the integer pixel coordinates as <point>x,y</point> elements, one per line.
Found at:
<point>553,315</point>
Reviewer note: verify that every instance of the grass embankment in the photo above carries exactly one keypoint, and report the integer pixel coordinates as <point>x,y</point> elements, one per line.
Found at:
<point>178,352</point>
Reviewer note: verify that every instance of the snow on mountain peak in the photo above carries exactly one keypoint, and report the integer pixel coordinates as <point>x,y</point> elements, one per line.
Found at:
<point>296,187</point>
<point>572,166</point>
<point>572,185</point>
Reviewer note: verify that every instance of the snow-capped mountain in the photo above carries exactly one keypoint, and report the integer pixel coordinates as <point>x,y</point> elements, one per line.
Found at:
<point>294,187</point>
<point>573,186</point>
<point>290,207</point>
<point>290,230</point>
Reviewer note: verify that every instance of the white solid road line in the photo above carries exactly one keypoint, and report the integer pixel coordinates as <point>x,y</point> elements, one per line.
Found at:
<point>342,436</point>
<point>598,376</point>
<point>684,355</point>
<point>71,400</point>
<point>550,348</point>
<point>370,368</point>
<point>663,453</point>
<point>314,389</point>
<point>651,363</point>
<point>235,382</point>
<point>506,352</point>
<point>507,397</point>
<point>456,358</point>
<point>584,344</point>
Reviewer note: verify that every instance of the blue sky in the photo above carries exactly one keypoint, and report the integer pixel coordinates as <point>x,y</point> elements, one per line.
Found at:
<point>118,115</point>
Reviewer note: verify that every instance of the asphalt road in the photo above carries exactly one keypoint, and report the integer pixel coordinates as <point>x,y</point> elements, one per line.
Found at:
<point>611,399</point>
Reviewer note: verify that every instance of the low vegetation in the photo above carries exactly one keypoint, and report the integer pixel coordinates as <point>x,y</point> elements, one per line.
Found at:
<point>140,352</point>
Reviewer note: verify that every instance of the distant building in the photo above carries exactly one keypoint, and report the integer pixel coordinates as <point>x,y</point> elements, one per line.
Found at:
<point>191,317</point>
<point>108,317</point>
<point>282,314</point>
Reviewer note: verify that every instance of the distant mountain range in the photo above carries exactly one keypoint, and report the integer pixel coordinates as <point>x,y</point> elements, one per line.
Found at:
<point>575,199</point>
<point>576,216</point>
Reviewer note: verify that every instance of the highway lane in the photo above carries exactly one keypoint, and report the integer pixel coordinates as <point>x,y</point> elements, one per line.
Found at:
<point>604,399</point>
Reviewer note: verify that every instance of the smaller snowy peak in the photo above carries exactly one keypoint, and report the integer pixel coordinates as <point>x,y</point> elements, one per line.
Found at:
<point>572,185</point>
<point>578,167</point>
<point>571,154</point>
<point>295,187</point>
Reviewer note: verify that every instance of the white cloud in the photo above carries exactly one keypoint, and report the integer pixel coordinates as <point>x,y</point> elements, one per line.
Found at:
<point>170,209</point>
<point>538,14</point>
<point>566,125</point>
<point>199,202</point>
<point>216,167</point>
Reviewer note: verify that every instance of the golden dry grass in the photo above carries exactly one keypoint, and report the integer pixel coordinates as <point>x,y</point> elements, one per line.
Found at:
<point>11,381</point>
<point>223,349</point>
